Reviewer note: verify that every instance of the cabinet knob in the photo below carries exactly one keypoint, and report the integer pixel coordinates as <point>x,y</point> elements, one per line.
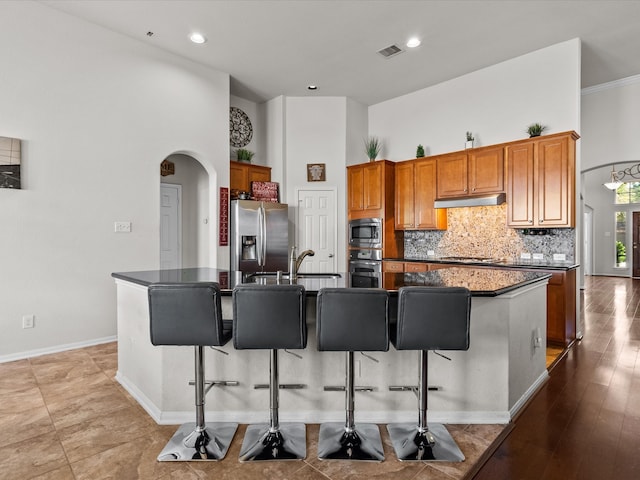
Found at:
<point>530,221</point>
<point>541,221</point>
<point>474,189</point>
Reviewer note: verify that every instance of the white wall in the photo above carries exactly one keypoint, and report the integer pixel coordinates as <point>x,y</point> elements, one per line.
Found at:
<point>256,114</point>
<point>496,103</point>
<point>97,113</point>
<point>193,178</point>
<point>610,125</point>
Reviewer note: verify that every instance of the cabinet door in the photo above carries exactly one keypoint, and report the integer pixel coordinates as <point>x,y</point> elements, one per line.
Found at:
<point>520,195</point>
<point>452,175</point>
<point>238,177</point>
<point>373,186</point>
<point>404,203</point>
<point>355,188</point>
<point>259,174</point>
<point>424,188</point>
<point>555,176</point>
<point>486,171</point>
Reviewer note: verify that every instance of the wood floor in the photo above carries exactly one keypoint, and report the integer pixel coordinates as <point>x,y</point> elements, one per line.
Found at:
<point>585,422</point>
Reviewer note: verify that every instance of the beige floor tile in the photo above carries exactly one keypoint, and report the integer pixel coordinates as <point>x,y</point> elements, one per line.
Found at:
<point>66,411</point>
<point>75,387</point>
<point>63,473</point>
<point>134,459</point>
<point>48,369</point>
<point>30,458</point>
<point>22,425</point>
<point>94,436</point>
<point>21,400</point>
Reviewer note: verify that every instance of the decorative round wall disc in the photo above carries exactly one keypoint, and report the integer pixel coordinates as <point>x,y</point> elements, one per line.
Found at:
<point>240,129</point>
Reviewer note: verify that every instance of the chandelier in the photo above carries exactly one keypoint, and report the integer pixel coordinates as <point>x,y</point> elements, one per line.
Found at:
<point>617,177</point>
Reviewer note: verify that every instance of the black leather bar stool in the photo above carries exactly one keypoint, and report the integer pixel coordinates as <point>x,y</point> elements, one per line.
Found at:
<point>348,320</point>
<point>429,318</point>
<point>271,317</point>
<point>191,314</point>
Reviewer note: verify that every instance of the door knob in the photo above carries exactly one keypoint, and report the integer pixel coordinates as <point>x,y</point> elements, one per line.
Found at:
<point>331,255</point>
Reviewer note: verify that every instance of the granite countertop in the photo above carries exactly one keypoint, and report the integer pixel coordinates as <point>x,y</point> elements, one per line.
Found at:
<point>483,282</point>
<point>519,264</point>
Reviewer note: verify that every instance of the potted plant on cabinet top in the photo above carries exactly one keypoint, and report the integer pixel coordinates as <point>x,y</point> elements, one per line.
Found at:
<point>469,142</point>
<point>420,151</point>
<point>244,155</point>
<point>535,129</point>
<point>372,146</point>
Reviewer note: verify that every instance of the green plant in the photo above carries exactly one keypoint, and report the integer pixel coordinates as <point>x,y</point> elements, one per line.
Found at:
<point>621,252</point>
<point>536,129</point>
<point>372,146</point>
<point>470,137</point>
<point>244,155</point>
<point>420,151</point>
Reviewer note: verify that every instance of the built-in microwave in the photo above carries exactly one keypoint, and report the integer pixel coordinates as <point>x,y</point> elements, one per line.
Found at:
<point>365,233</point>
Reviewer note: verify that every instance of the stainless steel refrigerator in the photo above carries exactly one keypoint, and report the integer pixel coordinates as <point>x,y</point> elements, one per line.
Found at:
<point>259,236</point>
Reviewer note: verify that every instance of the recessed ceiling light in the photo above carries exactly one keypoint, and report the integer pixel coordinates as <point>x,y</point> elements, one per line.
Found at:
<point>197,38</point>
<point>312,87</point>
<point>413,42</point>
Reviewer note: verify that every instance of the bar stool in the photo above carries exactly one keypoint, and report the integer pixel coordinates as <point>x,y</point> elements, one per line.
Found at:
<point>429,318</point>
<point>191,314</point>
<point>348,320</point>
<point>271,317</point>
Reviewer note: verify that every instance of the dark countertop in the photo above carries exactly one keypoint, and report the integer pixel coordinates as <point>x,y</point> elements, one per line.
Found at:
<point>482,282</point>
<point>521,264</point>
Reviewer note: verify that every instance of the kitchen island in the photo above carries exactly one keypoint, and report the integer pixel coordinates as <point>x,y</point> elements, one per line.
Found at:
<point>488,383</point>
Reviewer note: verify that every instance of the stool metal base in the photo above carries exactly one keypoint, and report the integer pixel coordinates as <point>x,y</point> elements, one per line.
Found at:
<point>187,444</point>
<point>436,444</point>
<point>289,442</point>
<point>363,443</point>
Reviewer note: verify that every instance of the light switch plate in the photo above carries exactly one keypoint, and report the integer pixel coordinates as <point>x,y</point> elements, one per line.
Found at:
<point>559,257</point>
<point>431,253</point>
<point>122,227</point>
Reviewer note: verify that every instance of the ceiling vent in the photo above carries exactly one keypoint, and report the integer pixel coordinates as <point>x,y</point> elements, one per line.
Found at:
<point>390,51</point>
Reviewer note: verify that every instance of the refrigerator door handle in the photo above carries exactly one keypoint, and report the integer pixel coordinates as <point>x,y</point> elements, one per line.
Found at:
<point>262,232</point>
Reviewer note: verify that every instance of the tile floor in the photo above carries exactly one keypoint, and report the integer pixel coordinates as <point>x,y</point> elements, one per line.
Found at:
<point>63,416</point>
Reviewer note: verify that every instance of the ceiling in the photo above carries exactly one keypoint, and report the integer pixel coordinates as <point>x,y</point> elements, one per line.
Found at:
<point>273,48</point>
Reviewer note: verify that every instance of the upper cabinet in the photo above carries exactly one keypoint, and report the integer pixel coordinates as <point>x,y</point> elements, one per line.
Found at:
<point>541,181</point>
<point>242,174</point>
<point>415,192</point>
<point>478,171</point>
<point>370,189</point>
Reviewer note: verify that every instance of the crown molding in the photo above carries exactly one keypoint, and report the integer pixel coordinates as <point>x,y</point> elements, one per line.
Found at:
<point>609,85</point>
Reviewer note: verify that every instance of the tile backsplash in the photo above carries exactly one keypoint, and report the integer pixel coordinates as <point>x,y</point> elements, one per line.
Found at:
<point>482,232</point>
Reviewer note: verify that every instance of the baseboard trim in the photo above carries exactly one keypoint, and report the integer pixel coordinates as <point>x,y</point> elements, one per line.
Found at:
<point>56,349</point>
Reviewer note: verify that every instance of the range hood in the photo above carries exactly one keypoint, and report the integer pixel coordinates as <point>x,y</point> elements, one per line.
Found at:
<point>480,201</point>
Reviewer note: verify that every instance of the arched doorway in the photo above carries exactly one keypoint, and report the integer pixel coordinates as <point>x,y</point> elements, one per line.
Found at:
<point>184,214</point>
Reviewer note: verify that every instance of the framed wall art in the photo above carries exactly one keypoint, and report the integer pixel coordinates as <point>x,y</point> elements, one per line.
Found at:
<point>316,172</point>
<point>10,158</point>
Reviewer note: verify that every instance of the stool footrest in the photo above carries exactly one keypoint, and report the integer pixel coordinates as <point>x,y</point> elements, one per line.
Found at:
<point>412,388</point>
<point>341,388</point>
<point>283,386</point>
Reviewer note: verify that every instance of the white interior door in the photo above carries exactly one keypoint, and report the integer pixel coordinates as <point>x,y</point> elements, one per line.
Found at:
<point>316,229</point>
<point>587,237</point>
<point>170,226</point>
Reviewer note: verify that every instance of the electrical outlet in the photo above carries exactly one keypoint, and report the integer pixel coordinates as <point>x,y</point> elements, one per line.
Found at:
<point>28,321</point>
<point>525,256</point>
<point>122,227</point>
<point>559,257</point>
<point>431,253</point>
<point>538,256</point>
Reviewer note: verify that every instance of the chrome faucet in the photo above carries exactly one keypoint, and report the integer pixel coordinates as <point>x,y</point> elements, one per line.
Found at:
<point>295,262</point>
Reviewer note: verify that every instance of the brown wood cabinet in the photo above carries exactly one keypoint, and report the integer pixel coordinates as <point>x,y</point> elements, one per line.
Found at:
<point>541,182</point>
<point>402,266</point>
<point>369,186</point>
<point>241,175</point>
<point>370,194</point>
<point>477,171</point>
<point>415,192</point>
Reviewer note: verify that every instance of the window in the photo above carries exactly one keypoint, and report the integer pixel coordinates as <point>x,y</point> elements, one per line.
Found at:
<point>628,193</point>
<point>621,239</point>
